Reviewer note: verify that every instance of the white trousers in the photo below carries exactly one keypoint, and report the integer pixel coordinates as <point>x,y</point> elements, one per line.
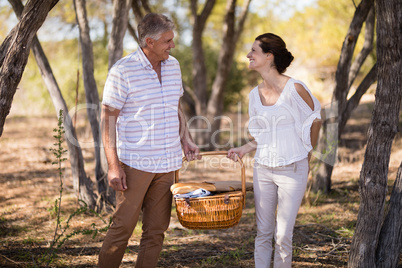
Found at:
<point>279,190</point>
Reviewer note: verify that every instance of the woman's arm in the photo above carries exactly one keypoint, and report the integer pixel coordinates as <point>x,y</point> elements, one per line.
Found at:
<point>314,133</point>
<point>239,152</point>
<point>315,127</point>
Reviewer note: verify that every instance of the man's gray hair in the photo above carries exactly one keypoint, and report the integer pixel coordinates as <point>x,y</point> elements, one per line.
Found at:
<point>153,25</point>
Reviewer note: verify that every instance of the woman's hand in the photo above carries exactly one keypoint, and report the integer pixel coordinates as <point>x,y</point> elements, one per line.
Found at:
<point>239,152</point>
<point>236,153</point>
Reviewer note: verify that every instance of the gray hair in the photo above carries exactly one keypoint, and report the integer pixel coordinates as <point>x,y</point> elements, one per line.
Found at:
<point>153,26</point>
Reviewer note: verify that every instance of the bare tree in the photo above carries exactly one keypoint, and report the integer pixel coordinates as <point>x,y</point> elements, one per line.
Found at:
<point>212,107</point>
<point>119,28</point>
<point>374,174</point>
<point>15,49</point>
<point>140,8</point>
<point>92,101</point>
<point>81,183</point>
<point>346,73</point>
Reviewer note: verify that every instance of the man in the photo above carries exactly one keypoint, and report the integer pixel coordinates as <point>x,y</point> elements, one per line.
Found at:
<point>144,131</point>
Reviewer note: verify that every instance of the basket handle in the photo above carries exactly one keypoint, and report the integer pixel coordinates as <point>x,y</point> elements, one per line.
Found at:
<point>243,171</point>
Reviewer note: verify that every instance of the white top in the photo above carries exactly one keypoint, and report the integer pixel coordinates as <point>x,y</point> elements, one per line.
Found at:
<point>282,130</point>
<point>148,123</point>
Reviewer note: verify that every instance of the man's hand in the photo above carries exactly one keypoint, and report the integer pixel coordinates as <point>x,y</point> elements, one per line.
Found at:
<point>191,151</point>
<point>117,178</point>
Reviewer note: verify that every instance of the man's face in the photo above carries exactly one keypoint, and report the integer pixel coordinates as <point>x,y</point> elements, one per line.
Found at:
<point>162,46</point>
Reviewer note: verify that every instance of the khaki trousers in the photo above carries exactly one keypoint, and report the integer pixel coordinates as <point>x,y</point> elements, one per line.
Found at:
<point>146,192</point>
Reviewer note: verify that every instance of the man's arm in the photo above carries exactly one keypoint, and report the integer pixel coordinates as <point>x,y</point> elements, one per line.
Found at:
<point>116,175</point>
<point>190,149</point>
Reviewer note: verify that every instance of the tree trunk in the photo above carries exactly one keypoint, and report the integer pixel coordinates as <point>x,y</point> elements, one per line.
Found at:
<point>139,8</point>
<point>115,47</point>
<point>119,28</point>
<point>81,183</point>
<point>16,56</point>
<point>200,72</point>
<point>390,241</point>
<point>346,72</point>
<point>209,110</point>
<point>383,128</point>
<point>225,60</point>
<point>92,98</point>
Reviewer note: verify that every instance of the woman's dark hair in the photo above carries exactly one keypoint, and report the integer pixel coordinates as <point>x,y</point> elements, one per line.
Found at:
<point>271,43</point>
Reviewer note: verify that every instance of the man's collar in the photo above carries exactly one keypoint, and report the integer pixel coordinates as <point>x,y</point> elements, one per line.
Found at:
<point>144,60</point>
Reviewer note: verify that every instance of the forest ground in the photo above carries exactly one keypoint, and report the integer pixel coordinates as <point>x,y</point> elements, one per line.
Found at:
<point>30,185</point>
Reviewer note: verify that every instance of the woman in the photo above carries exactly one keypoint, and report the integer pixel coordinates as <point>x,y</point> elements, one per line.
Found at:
<point>285,122</point>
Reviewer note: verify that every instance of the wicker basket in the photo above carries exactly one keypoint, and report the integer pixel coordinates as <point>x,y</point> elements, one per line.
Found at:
<point>217,211</point>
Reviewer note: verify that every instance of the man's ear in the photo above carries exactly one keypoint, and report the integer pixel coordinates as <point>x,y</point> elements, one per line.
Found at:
<point>150,42</point>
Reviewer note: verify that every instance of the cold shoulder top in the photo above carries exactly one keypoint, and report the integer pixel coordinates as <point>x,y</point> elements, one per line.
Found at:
<point>282,130</point>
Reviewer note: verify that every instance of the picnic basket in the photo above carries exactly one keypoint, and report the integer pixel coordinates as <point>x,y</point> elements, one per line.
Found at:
<point>218,211</point>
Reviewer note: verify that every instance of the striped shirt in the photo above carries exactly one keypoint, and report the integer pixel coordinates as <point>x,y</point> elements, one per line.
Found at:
<point>148,124</point>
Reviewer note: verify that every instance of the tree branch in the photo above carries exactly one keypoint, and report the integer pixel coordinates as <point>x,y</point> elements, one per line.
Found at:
<point>17,6</point>
<point>367,47</point>
<point>132,32</point>
<point>119,28</point>
<point>342,71</point>
<point>353,102</point>
<point>242,20</point>
<point>138,13</point>
<point>16,57</point>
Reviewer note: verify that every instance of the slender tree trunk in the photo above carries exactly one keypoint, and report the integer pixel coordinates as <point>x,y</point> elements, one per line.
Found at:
<point>346,73</point>
<point>200,72</point>
<point>209,109</point>
<point>81,183</point>
<point>225,60</point>
<point>92,98</point>
<point>390,242</point>
<point>139,8</point>
<point>16,56</point>
<point>383,128</point>
<point>115,47</point>
<point>119,28</point>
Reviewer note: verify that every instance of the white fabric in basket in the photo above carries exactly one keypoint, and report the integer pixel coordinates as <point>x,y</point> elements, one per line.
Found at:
<point>194,194</point>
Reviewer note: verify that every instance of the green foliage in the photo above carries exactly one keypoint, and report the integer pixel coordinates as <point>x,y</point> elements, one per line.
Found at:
<point>59,151</point>
<point>313,34</point>
<point>316,33</point>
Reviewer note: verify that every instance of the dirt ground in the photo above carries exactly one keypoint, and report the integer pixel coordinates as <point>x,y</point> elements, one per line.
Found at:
<point>30,186</point>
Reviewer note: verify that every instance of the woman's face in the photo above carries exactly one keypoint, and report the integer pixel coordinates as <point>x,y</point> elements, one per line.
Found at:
<point>257,57</point>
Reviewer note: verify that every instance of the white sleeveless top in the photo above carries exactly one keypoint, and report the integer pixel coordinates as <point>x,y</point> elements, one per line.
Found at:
<point>282,130</point>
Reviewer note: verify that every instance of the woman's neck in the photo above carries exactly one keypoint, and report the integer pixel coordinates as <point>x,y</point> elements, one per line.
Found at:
<point>273,80</point>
